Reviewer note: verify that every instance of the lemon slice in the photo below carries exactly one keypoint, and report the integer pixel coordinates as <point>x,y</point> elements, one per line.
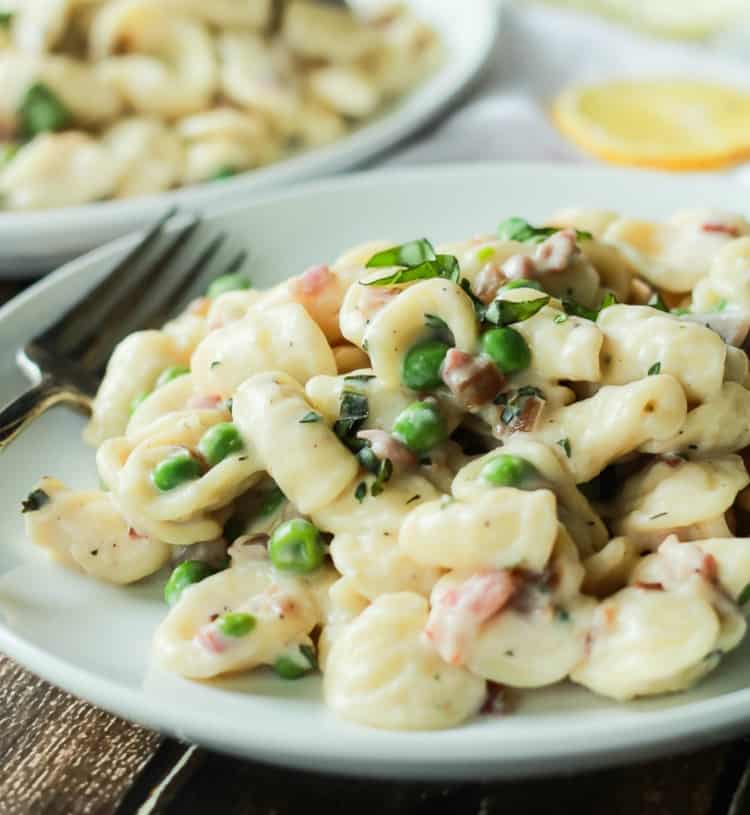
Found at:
<point>662,124</point>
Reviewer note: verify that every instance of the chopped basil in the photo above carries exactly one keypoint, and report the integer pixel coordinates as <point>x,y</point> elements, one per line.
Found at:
<point>480,309</point>
<point>505,312</point>
<point>36,500</point>
<point>215,364</point>
<point>368,459</point>
<point>445,266</point>
<point>560,318</point>
<point>654,369</point>
<point>565,444</point>
<point>655,301</point>
<point>439,328</point>
<point>562,614</point>
<point>6,18</point>
<point>362,378</point>
<point>413,253</point>
<point>417,497</point>
<point>517,229</point>
<point>272,501</point>
<point>353,413</point>
<point>578,310</point>
<point>744,596</point>
<point>658,515</point>
<point>515,401</point>
<point>309,653</point>
<point>384,473</point>
<point>310,417</point>
<point>361,492</point>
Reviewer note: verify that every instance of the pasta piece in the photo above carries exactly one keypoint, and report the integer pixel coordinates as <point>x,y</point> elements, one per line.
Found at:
<point>346,90</point>
<point>172,399</point>
<point>38,25</point>
<point>646,642</point>
<point>712,429</point>
<point>85,531</point>
<point>349,358</point>
<point>594,221</point>
<point>319,32</point>
<point>607,570</point>
<point>58,169</point>
<point>132,370</point>
<point>638,337</point>
<point>401,323</point>
<point>732,558</point>
<point>380,673</point>
<point>172,69</point>
<point>498,529</point>
<point>231,307</point>
<point>562,350</point>
<point>540,636</point>
<point>268,408</point>
<point>727,279</point>
<point>672,496</point>
<point>343,605</point>
<point>575,513</point>
<point>190,641</point>
<point>184,514</point>
<point>617,420</point>
<point>224,139</point>
<point>148,154</point>
<point>83,89</point>
<point>283,338</point>
<point>672,256</point>
<point>253,14</point>
<point>320,290</point>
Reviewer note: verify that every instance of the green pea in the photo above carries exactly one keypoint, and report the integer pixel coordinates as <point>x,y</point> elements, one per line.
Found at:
<point>272,501</point>
<point>228,282</point>
<point>236,624</point>
<point>138,401</point>
<point>507,349</point>
<point>420,427</point>
<point>420,369</point>
<point>184,575</point>
<point>296,664</point>
<point>219,442</point>
<point>296,546</point>
<point>41,111</point>
<point>175,470</point>
<point>522,284</point>
<point>168,374</point>
<point>507,471</point>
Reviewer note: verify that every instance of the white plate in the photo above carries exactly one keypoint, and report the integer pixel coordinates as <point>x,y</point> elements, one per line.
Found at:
<point>94,640</point>
<point>32,243</point>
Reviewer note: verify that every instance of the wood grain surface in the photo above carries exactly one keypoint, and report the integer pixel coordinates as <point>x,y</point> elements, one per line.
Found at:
<point>62,756</point>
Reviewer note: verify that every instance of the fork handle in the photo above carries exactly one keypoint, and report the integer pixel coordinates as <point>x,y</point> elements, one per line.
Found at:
<point>19,413</point>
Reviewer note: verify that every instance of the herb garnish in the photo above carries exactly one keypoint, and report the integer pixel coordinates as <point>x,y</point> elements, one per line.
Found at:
<point>514,402</point>
<point>505,312</point>
<point>36,500</point>
<point>408,254</point>
<point>215,364</point>
<point>6,17</point>
<point>517,229</point>
<point>560,318</point>
<point>361,378</point>
<point>310,417</point>
<point>308,652</point>
<point>385,471</point>
<point>353,413</point>
<point>571,306</point>
<point>658,515</point>
<point>655,301</point>
<point>417,260</point>
<point>654,369</point>
<point>565,444</point>
<point>744,596</point>
<point>440,328</point>
<point>361,492</point>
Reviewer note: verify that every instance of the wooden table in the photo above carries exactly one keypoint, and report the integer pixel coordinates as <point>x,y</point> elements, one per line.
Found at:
<point>61,756</point>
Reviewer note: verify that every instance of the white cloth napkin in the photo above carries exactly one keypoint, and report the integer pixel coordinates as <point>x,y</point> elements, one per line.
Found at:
<point>540,51</point>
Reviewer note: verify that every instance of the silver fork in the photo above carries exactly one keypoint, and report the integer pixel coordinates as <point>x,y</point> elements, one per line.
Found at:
<point>66,362</point>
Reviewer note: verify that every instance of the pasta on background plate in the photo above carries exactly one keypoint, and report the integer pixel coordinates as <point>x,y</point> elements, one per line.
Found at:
<point>110,99</point>
<point>439,474</point>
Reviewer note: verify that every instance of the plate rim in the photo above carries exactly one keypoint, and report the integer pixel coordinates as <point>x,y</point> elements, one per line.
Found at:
<point>677,727</point>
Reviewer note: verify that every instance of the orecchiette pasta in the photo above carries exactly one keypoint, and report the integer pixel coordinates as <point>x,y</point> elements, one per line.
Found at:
<point>183,92</point>
<point>422,469</point>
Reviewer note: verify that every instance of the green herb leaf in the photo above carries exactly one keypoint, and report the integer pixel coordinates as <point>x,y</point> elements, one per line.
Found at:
<point>505,312</point>
<point>384,474</point>
<point>445,266</point>
<point>368,459</point>
<point>353,413</point>
<point>361,492</point>
<point>308,652</point>
<point>679,311</point>
<point>609,300</point>
<point>655,301</point>
<point>565,444</point>
<point>271,503</point>
<point>517,229</point>
<point>721,305</point>
<point>562,614</point>
<point>654,369</point>
<point>413,253</point>
<point>560,318</point>
<point>35,500</point>
<point>514,402</point>
<point>359,378</point>
<point>223,173</point>
<point>42,111</point>
<point>577,310</point>
<point>439,328</point>
<point>480,309</point>
<point>310,417</point>
<point>6,18</point>
<point>744,596</point>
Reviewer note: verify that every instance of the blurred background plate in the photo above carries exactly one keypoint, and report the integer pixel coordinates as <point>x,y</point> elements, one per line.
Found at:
<point>94,639</point>
<point>34,243</point>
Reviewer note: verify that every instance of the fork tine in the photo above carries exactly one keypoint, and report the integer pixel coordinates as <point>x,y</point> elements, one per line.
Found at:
<point>118,320</point>
<point>86,310</point>
<point>170,302</point>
